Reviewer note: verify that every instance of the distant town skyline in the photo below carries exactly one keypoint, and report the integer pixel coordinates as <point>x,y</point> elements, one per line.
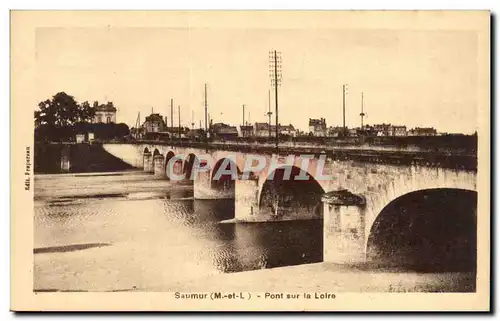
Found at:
<point>417,78</point>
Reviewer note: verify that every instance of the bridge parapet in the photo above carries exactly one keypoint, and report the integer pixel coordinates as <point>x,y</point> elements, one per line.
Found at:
<point>456,158</point>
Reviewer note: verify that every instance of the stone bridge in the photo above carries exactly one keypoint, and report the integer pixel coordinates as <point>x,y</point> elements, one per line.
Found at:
<point>362,183</point>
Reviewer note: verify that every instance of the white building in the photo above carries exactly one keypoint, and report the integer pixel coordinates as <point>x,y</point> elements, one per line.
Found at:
<point>318,127</point>
<point>105,113</point>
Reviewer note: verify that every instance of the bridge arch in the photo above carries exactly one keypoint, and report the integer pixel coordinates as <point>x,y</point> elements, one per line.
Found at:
<point>283,198</point>
<point>168,157</point>
<point>413,180</point>
<point>147,160</point>
<point>156,152</point>
<point>188,164</point>
<point>221,181</point>
<point>427,230</point>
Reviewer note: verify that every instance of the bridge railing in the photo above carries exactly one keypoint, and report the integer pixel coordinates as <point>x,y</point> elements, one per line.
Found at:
<point>445,156</point>
<point>453,144</point>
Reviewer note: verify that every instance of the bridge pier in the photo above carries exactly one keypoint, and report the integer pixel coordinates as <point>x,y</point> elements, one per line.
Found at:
<point>246,199</point>
<point>203,188</point>
<point>158,168</point>
<point>147,161</point>
<point>343,227</point>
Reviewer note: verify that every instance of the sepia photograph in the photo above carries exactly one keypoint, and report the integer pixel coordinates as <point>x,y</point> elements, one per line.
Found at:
<point>259,160</point>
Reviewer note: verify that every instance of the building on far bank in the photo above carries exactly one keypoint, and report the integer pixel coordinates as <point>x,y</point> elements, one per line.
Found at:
<point>386,130</point>
<point>397,130</point>
<point>264,130</point>
<point>287,130</point>
<point>137,133</point>
<point>104,113</point>
<point>352,132</point>
<point>318,127</point>
<point>422,131</point>
<point>154,123</point>
<point>174,131</point>
<point>246,131</point>
<point>336,131</point>
<point>221,130</point>
<point>195,134</point>
<point>381,129</point>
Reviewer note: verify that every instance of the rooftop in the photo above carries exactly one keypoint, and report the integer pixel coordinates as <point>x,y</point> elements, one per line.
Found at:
<point>316,122</point>
<point>108,107</point>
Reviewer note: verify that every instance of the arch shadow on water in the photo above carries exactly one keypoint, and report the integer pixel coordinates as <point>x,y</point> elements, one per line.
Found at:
<point>431,230</point>
<point>293,238</point>
<point>250,246</point>
<point>238,247</point>
<point>254,246</point>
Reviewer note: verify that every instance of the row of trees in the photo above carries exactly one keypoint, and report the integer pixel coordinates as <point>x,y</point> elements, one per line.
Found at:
<point>62,117</point>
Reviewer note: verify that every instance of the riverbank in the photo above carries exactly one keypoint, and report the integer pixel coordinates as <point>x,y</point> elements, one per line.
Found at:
<point>317,277</point>
<point>329,277</point>
<point>52,158</point>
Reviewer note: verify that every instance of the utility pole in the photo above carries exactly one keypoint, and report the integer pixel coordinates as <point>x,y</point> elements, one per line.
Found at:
<point>137,125</point>
<point>344,87</point>
<point>192,119</point>
<point>362,114</point>
<point>172,114</point>
<point>275,73</point>
<point>206,115</point>
<point>343,107</point>
<point>179,112</point>
<point>138,120</point>
<point>243,123</point>
<point>269,112</point>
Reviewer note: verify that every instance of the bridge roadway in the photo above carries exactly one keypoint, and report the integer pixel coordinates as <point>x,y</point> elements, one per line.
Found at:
<point>365,180</point>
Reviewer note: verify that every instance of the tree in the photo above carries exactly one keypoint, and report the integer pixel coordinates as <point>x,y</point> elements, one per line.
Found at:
<point>85,112</point>
<point>62,110</point>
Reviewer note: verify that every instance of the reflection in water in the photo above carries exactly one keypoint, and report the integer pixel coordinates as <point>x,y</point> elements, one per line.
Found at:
<point>250,246</point>
<point>267,245</point>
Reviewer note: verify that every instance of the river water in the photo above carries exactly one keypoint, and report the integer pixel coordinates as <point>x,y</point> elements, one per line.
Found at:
<point>132,231</point>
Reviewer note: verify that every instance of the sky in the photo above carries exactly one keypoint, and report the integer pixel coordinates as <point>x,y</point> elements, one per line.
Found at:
<point>424,78</point>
